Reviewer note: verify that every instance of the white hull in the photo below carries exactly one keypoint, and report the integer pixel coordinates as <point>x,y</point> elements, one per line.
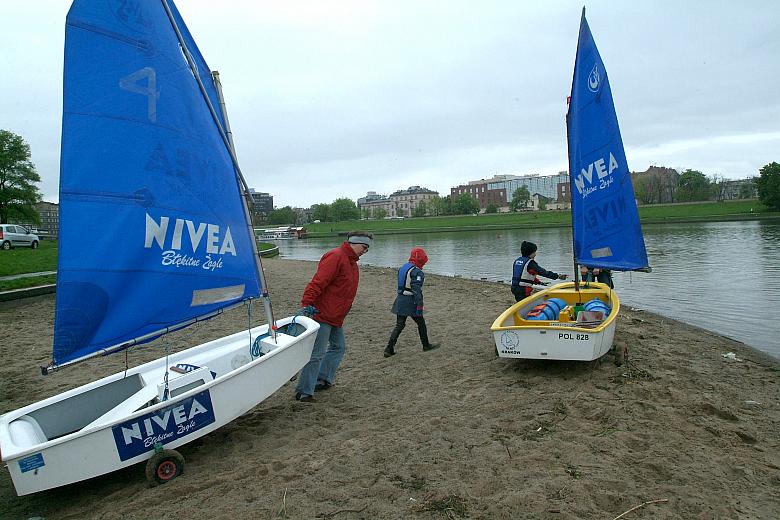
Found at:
<point>517,337</point>
<point>114,422</point>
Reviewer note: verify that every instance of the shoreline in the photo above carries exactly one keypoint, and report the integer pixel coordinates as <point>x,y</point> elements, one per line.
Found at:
<point>342,230</point>
<point>456,432</point>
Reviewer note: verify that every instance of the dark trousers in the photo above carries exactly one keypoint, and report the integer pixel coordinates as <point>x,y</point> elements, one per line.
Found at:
<point>400,323</point>
<point>521,292</point>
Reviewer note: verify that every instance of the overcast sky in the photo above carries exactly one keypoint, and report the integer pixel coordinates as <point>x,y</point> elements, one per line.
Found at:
<point>332,99</point>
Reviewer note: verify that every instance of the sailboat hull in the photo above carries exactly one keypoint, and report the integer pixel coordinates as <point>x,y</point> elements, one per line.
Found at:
<point>115,422</point>
<point>562,338</point>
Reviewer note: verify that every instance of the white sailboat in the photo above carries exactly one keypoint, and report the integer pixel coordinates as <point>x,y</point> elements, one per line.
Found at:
<point>575,321</point>
<point>148,171</point>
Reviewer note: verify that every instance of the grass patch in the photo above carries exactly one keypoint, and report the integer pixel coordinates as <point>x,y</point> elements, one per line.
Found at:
<point>23,283</point>
<point>264,246</point>
<point>25,260</point>
<point>702,211</point>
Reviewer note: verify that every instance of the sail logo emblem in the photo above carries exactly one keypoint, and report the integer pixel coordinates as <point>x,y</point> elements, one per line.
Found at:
<point>601,169</point>
<point>594,79</point>
<point>135,437</point>
<point>182,240</point>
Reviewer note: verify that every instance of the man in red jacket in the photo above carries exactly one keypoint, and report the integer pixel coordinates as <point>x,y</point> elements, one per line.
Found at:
<point>330,293</point>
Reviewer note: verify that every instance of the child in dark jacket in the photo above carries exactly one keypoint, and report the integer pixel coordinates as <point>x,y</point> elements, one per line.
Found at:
<point>525,272</point>
<point>409,301</point>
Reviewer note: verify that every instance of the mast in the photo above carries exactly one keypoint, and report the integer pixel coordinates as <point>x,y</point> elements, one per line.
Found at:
<point>568,154</point>
<point>571,212</point>
<point>227,138</point>
<point>247,198</point>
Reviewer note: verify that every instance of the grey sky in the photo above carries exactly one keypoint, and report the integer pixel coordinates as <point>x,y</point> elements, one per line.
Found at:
<point>335,98</point>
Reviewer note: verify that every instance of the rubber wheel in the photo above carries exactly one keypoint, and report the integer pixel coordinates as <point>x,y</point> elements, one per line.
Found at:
<point>6,245</point>
<point>34,245</point>
<point>164,466</point>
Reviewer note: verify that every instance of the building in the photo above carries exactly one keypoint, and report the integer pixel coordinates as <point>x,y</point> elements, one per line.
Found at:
<point>538,202</point>
<point>262,205</point>
<point>500,189</point>
<point>371,196</point>
<point>302,215</point>
<point>49,227</point>
<point>736,189</point>
<point>545,185</point>
<point>401,203</point>
<point>656,185</point>
<point>482,192</point>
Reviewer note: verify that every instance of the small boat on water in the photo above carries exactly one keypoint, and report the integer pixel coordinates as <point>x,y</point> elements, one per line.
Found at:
<point>574,320</point>
<point>149,173</point>
<point>277,234</point>
<point>269,251</point>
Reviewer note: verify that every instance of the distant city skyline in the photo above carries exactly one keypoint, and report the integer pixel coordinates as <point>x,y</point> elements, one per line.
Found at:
<point>337,99</point>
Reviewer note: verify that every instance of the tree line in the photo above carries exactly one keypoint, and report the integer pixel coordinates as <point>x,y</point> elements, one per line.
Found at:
<point>665,185</point>
<point>346,209</point>
<point>19,191</point>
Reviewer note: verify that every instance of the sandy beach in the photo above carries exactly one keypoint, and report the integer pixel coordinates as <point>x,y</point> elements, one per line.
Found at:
<point>679,430</point>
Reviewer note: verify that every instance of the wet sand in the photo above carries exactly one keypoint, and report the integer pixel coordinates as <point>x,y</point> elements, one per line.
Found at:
<point>452,433</point>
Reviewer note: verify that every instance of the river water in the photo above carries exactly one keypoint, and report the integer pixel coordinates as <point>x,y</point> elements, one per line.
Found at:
<point>721,276</point>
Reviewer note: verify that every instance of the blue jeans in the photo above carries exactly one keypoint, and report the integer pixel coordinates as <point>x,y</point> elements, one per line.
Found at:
<point>325,358</point>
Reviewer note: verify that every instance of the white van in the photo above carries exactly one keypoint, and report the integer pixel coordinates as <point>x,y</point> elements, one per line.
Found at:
<point>13,235</point>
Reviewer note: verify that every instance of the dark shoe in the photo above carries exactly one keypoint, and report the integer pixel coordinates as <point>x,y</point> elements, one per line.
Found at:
<point>304,398</point>
<point>322,385</point>
<point>431,346</point>
<point>389,351</point>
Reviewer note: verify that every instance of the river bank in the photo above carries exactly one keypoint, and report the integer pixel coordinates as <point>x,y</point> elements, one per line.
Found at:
<point>451,433</point>
<point>726,211</point>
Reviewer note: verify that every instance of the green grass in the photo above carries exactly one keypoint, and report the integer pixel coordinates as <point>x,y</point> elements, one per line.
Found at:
<point>25,260</point>
<point>706,211</point>
<point>262,246</point>
<point>22,283</point>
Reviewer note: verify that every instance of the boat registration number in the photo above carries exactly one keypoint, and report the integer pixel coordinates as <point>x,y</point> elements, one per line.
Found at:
<point>570,336</point>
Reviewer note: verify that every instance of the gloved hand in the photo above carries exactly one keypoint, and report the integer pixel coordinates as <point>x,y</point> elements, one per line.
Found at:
<point>308,311</point>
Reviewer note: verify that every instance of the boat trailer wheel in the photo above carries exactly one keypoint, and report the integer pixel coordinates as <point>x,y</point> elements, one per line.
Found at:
<point>164,466</point>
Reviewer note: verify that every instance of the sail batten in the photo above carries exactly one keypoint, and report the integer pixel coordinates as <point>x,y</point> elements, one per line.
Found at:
<point>152,217</point>
<point>605,221</point>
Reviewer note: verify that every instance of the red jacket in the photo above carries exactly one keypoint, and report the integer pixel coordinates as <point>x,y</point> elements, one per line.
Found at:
<point>334,285</point>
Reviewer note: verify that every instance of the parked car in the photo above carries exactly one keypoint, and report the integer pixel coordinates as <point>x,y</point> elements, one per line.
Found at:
<point>13,235</point>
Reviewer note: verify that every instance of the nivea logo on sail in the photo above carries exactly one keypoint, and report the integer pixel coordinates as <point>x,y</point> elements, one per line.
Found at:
<point>182,240</point>
<point>603,169</point>
<point>133,438</point>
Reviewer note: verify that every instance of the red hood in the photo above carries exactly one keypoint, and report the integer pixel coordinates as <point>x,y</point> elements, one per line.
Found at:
<point>418,257</point>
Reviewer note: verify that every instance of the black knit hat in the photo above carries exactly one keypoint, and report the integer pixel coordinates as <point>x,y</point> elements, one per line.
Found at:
<point>527,248</point>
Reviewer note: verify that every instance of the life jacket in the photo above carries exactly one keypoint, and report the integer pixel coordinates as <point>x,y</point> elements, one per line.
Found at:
<point>405,274</point>
<point>520,275</point>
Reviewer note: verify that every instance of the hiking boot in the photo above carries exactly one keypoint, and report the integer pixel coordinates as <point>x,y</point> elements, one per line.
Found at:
<point>389,351</point>
<point>322,385</point>
<point>431,346</point>
<point>304,398</point>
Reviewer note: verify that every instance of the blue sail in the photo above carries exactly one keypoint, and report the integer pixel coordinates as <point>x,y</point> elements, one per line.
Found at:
<point>153,229</point>
<point>605,221</point>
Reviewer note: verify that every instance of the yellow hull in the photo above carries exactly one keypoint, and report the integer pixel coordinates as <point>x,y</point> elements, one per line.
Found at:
<point>564,338</point>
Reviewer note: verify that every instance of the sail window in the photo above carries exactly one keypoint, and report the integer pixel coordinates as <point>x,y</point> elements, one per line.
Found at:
<point>217,295</point>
